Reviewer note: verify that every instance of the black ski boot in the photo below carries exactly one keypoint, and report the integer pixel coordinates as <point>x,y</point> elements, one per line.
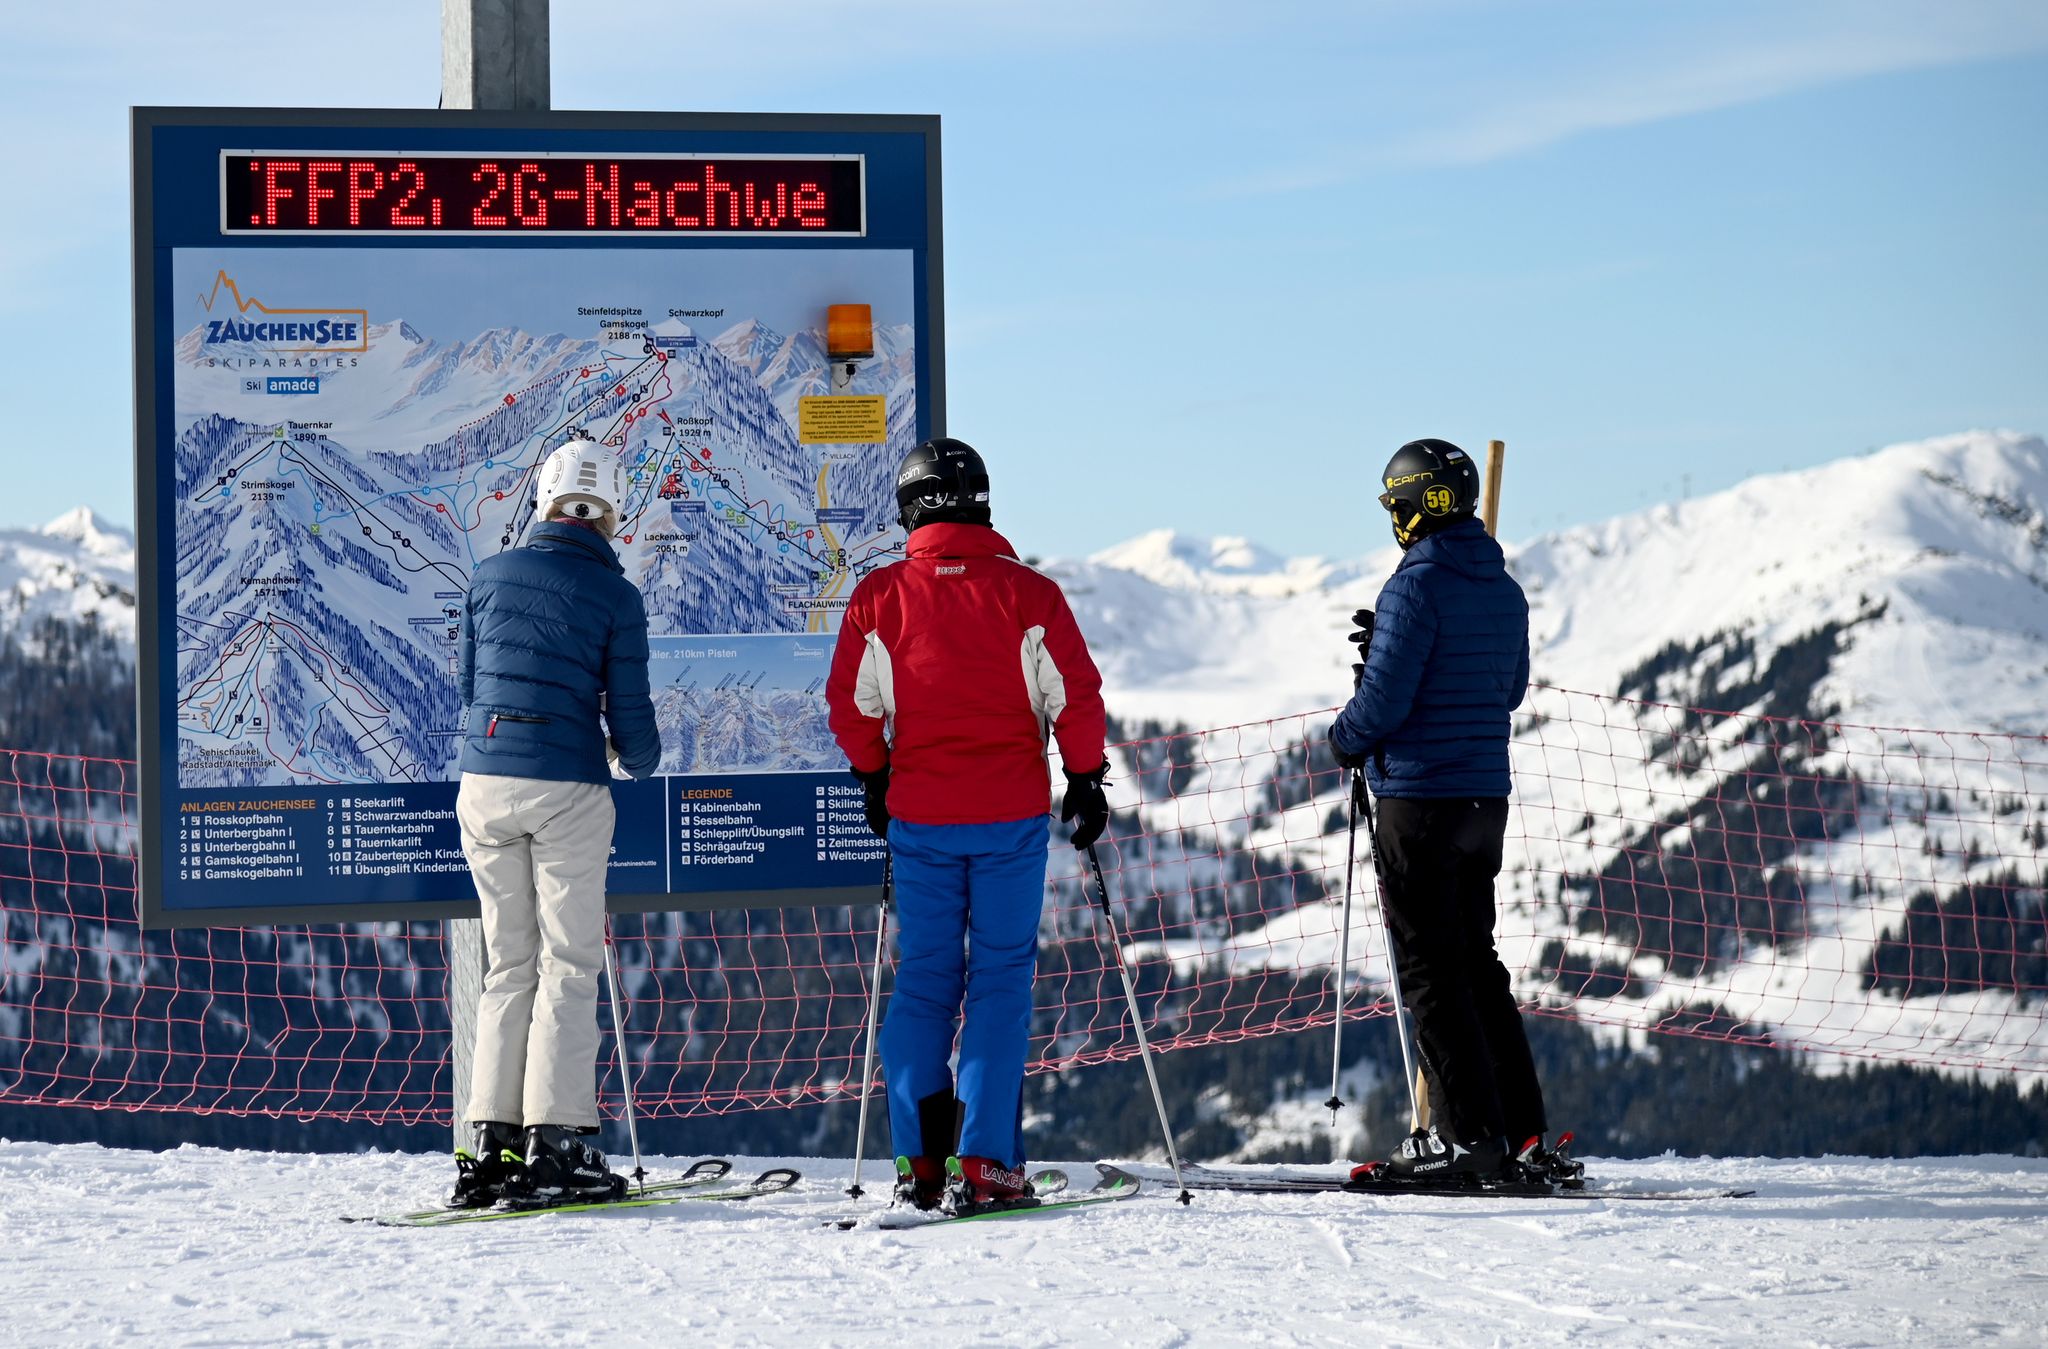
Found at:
<point>1427,1156</point>
<point>1545,1165</point>
<point>920,1182</point>
<point>562,1169</point>
<point>483,1170</point>
<point>921,1179</point>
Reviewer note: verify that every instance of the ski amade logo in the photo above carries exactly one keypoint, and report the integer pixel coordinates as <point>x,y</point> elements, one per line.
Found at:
<point>281,331</point>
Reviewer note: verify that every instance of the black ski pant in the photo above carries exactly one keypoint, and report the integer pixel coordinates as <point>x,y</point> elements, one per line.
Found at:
<point>1439,858</point>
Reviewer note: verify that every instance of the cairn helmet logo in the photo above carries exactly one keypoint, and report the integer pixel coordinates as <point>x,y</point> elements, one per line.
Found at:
<point>942,481</point>
<point>1430,484</point>
<point>583,481</point>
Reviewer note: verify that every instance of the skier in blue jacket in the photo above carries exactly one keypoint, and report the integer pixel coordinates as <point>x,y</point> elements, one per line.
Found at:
<point>1445,663</point>
<point>553,652</point>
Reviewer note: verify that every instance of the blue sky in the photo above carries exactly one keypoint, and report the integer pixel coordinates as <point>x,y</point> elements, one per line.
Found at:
<point>1650,246</point>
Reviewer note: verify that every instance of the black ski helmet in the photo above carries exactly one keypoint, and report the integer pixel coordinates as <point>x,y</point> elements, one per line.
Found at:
<point>1430,484</point>
<point>940,481</point>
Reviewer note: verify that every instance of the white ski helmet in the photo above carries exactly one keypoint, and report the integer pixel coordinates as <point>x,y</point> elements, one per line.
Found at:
<point>581,480</point>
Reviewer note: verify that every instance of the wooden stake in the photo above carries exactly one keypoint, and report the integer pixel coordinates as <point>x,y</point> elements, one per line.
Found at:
<point>1496,450</point>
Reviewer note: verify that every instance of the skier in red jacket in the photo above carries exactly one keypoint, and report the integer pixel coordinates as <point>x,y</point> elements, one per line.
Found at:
<point>952,667</point>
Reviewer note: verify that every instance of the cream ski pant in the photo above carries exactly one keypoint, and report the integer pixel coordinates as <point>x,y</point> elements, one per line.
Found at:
<point>537,851</point>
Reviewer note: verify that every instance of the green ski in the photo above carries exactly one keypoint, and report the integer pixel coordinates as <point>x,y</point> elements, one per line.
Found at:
<point>701,1173</point>
<point>656,1195</point>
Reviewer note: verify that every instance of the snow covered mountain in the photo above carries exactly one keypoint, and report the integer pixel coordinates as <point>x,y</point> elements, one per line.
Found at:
<point>1862,891</point>
<point>1930,558</point>
<point>67,637</point>
<point>76,566</point>
<point>1225,565</point>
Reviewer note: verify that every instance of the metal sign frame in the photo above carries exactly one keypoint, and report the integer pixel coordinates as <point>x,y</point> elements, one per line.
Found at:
<point>157,229</point>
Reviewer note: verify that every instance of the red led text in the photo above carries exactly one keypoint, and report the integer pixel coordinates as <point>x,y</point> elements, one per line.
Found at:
<point>560,194</point>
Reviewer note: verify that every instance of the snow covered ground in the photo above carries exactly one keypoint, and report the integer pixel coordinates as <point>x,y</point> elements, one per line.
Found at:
<point>225,1248</point>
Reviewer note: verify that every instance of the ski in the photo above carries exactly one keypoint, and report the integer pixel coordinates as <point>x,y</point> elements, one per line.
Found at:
<point>772,1181</point>
<point>1050,1194</point>
<point>1043,1183</point>
<point>1202,1178</point>
<point>704,1172</point>
<point>1534,1190</point>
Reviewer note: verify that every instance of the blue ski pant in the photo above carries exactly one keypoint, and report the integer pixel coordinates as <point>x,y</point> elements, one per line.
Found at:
<point>968,898</point>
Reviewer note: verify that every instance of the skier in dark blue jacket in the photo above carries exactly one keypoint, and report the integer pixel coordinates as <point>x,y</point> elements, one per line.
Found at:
<point>553,674</point>
<point>1445,663</point>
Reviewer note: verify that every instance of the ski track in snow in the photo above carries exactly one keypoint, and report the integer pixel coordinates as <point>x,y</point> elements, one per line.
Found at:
<point>205,1247</point>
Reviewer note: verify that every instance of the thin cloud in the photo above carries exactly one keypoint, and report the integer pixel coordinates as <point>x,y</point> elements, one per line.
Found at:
<point>1719,80</point>
<point>1649,90</point>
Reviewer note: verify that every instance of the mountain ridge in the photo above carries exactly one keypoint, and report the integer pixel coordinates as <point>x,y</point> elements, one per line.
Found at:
<point>77,569</point>
<point>1931,556</point>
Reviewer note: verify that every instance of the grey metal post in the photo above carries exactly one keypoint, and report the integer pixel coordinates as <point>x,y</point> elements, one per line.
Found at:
<point>494,54</point>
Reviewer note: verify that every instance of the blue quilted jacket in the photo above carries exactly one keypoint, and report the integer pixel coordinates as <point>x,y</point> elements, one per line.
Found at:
<point>551,628</point>
<point>1449,662</point>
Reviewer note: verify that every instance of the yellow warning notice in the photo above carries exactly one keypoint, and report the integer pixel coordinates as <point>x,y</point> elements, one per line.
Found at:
<point>842,419</point>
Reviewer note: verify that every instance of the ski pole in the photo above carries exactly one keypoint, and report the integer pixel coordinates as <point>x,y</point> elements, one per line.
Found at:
<point>1362,801</point>
<point>1137,1021</point>
<point>611,970</point>
<point>1336,1101</point>
<point>867,1067</point>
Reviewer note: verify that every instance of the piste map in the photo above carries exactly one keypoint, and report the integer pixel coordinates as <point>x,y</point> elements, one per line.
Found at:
<point>351,443</point>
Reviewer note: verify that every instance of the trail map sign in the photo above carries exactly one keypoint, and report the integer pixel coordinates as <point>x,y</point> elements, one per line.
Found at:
<point>358,334</point>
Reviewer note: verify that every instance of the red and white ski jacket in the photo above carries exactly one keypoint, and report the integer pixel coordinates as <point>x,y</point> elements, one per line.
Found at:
<point>952,667</point>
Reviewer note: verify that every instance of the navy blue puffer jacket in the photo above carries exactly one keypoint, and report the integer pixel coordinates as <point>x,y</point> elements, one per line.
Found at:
<point>1449,662</point>
<point>549,627</point>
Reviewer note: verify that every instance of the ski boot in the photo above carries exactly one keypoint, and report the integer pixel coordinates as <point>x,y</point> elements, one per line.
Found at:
<point>481,1173</point>
<point>920,1182</point>
<point>1551,1165</point>
<point>981,1184</point>
<point>562,1169</point>
<point>1426,1156</point>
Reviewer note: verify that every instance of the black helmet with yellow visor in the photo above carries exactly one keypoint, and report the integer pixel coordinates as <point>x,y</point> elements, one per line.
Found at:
<point>1429,484</point>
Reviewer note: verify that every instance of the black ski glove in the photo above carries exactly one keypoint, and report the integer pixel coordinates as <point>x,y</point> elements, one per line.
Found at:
<point>1085,799</point>
<point>1344,761</point>
<point>1362,639</point>
<point>876,785</point>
